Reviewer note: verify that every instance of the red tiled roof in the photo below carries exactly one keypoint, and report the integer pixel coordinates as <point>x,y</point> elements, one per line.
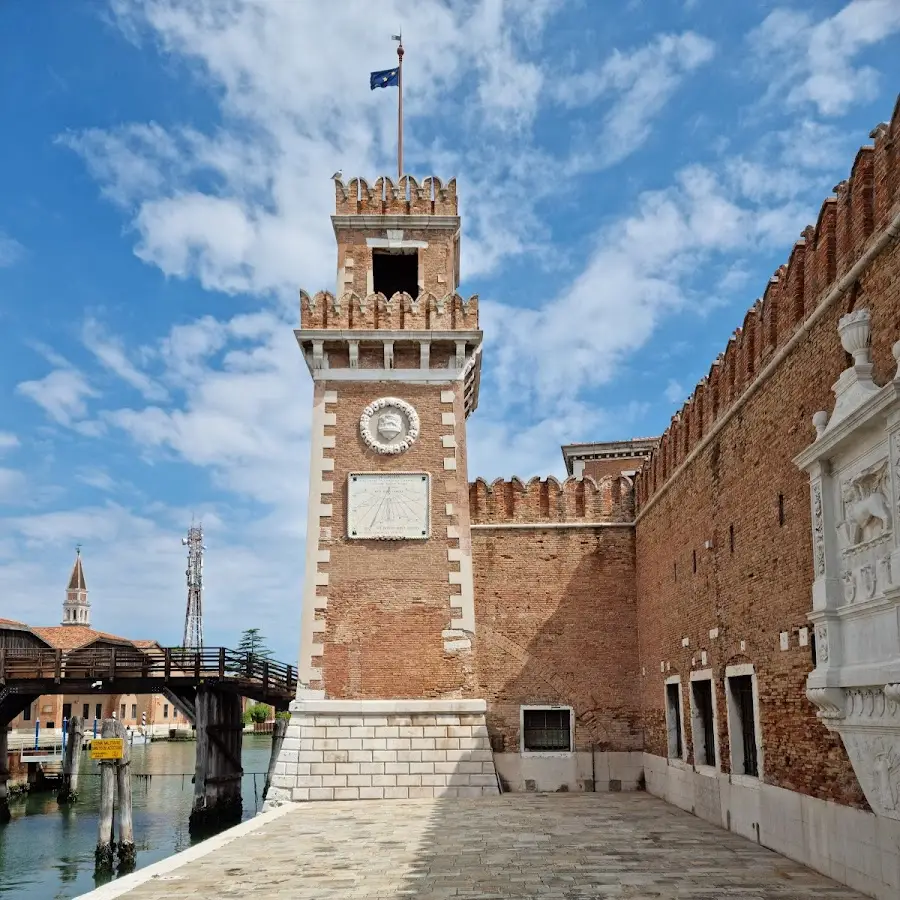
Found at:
<point>70,637</point>
<point>146,645</point>
<point>13,622</point>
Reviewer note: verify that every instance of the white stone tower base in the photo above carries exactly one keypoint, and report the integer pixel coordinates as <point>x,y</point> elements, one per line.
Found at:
<point>383,749</point>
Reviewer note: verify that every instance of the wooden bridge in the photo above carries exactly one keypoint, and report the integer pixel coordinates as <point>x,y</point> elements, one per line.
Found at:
<point>176,672</point>
<point>206,685</point>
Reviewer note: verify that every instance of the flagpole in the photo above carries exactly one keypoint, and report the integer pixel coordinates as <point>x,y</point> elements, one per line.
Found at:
<point>400,112</point>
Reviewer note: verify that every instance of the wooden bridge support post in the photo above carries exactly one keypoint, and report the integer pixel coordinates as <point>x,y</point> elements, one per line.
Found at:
<point>278,732</point>
<point>217,779</point>
<point>103,854</point>
<point>68,792</point>
<point>126,849</point>
<point>4,774</point>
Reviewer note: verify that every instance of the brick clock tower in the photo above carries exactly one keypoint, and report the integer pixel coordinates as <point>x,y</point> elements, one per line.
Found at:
<point>388,704</point>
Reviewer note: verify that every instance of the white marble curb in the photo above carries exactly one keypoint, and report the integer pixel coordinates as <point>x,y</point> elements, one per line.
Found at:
<point>122,886</point>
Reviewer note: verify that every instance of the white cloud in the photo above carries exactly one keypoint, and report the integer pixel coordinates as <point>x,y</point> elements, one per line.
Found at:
<point>674,392</point>
<point>11,250</point>
<point>8,441</point>
<point>640,83</point>
<point>113,356</point>
<point>12,486</point>
<point>810,62</point>
<point>62,394</point>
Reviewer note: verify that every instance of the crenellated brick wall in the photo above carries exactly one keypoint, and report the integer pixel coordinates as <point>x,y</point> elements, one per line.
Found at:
<point>862,207</point>
<point>608,499</point>
<point>723,534</point>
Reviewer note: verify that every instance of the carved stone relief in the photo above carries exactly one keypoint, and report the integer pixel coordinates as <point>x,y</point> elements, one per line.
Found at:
<point>818,530</point>
<point>849,580</point>
<point>822,642</point>
<point>865,506</point>
<point>389,425</point>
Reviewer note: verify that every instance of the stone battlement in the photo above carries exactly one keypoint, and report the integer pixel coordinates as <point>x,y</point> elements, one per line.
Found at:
<point>862,208</point>
<point>609,499</point>
<point>400,312</point>
<point>405,198</point>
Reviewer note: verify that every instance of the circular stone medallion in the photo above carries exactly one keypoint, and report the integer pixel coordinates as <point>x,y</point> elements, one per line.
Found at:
<point>389,425</point>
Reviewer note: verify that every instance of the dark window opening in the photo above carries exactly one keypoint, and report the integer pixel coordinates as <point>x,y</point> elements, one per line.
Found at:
<point>85,710</point>
<point>673,709</point>
<point>134,710</point>
<point>781,509</point>
<point>812,648</point>
<point>165,710</point>
<point>98,711</point>
<point>547,730</point>
<point>731,537</point>
<point>67,711</point>
<point>393,272</point>
<point>705,741</point>
<point>26,713</point>
<point>745,743</point>
<point>51,723</point>
<point>122,711</point>
<point>695,562</point>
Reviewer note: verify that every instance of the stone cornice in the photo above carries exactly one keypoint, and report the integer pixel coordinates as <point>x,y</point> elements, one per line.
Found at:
<point>376,222</point>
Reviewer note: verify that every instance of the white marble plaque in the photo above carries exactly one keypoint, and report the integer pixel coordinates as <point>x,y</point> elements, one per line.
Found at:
<point>388,506</point>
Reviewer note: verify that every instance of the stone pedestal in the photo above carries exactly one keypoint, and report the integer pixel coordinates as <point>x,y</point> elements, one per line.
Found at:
<point>384,749</point>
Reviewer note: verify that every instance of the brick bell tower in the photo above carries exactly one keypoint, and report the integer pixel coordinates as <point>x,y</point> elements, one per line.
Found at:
<point>388,704</point>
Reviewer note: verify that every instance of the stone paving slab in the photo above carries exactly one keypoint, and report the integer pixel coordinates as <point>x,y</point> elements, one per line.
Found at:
<point>554,846</point>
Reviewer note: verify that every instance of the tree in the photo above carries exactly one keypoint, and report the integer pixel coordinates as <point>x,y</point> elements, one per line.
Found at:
<point>253,642</point>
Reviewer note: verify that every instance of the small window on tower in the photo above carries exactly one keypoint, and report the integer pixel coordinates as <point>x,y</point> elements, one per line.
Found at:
<point>394,271</point>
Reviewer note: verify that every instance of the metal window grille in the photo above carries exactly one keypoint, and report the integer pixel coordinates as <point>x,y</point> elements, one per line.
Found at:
<point>134,710</point>
<point>673,695</point>
<point>547,730</point>
<point>706,756</point>
<point>742,688</point>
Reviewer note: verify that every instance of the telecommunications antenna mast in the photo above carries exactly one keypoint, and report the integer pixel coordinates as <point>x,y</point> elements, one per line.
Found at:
<point>193,618</point>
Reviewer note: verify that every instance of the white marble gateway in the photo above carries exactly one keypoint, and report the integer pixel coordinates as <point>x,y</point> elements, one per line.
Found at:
<point>854,470</point>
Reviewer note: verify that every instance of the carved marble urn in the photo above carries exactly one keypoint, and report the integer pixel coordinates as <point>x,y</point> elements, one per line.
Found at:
<point>854,471</point>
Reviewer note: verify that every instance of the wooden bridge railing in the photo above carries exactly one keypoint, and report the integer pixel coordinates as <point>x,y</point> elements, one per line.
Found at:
<point>164,664</point>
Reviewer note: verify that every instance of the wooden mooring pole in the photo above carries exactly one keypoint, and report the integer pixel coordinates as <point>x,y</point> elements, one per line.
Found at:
<point>126,849</point>
<point>278,732</point>
<point>218,772</point>
<point>103,854</point>
<point>68,792</point>
<point>4,774</point>
<point>115,772</point>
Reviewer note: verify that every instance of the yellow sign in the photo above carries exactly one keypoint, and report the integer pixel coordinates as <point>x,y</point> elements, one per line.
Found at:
<point>107,748</point>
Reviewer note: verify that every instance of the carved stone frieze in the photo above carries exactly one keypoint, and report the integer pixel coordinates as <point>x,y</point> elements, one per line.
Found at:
<point>818,530</point>
<point>868,721</point>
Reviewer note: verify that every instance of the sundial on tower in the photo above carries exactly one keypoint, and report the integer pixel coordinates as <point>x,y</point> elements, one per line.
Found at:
<point>388,506</point>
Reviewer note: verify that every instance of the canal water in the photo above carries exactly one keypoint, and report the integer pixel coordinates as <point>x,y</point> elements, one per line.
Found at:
<point>47,851</point>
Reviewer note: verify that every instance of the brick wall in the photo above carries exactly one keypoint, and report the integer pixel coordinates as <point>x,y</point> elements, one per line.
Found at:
<point>555,615</point>
<point>732,485</point>
<point>388,602</point>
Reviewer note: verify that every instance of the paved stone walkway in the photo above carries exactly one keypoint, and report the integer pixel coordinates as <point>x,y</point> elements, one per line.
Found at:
<point>552,847</point>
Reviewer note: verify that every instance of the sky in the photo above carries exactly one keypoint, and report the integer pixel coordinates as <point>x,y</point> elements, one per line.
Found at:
<point>630,175</point>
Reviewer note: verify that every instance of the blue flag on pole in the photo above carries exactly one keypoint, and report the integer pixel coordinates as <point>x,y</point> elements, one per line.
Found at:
<point>385,78</point>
